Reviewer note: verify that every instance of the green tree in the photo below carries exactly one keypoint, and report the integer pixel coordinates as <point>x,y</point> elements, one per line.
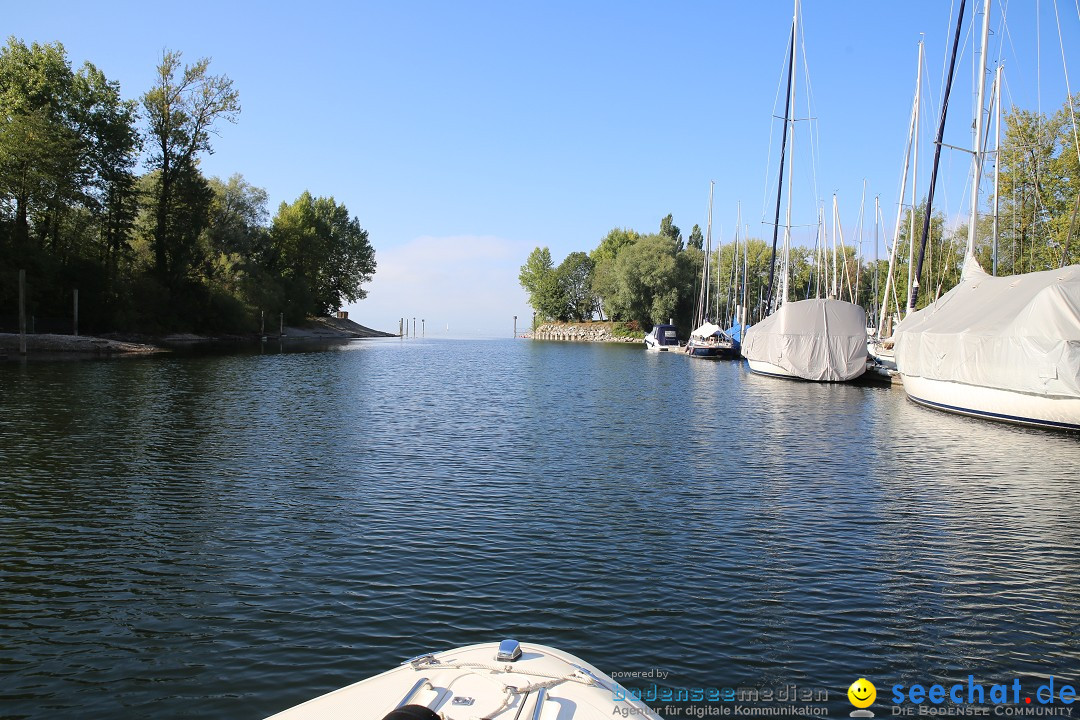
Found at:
<point>604,284</point>
<point>575,283</point>
<point>182,108</point>
<point>1039,194</point>
<point>651,276</point>
<point>540,279</point>
<point>696,240</point>
<point>67,146</point>
<point>321,254</point>
<point>669,229</point>
<point>238,217</point>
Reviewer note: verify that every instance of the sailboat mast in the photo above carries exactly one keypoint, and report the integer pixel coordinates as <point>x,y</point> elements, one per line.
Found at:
<point>834,291</point>
<point>899,210</point>
<point>780,182</point>
<point>858,254</point>
<point>976,175</point>
<point>791,165</point>
<point>708,250</point>
<point>997,161</point>
<point>913,280</point>
<point>937,149</point>
<point>745,275</point>
<point>877,216</point>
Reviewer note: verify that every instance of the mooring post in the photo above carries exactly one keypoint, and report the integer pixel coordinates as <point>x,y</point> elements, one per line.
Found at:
<point>423,327</point>
<point>76,312</point>
<point>262,323</point>
<point>22,312</point>
<point>414,327</point>
<point>515,326</point>
<point>281,325</point>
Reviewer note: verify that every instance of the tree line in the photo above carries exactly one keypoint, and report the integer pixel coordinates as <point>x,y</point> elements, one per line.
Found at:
<point>649,278</point>
<point>165,249</point>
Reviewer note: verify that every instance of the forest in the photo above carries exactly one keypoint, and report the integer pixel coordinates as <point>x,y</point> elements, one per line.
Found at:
<point>104,195</point>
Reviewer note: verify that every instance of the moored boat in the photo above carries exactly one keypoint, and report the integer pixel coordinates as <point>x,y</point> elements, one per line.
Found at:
<point>1002,348</point>
<point>998,347</point>
<point>495,681</point>
<point>662,338</point>
<point>819,340</point>
<point>711,341</point>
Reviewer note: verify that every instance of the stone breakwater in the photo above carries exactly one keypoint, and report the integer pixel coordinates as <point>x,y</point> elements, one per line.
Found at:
<point>579,332</point>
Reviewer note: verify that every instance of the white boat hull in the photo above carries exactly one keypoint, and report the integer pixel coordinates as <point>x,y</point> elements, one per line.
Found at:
<point>994,404</point>
<point>467,683</point>
<point>760,367</point>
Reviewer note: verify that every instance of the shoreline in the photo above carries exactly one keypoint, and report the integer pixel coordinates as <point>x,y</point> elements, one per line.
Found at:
<point>121,344</point>
<point>602,331</point>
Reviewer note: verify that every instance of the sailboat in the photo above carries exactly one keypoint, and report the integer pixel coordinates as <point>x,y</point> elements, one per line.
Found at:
<point>708,339</point>
<point>823,340</point>
<point>1001,348</point>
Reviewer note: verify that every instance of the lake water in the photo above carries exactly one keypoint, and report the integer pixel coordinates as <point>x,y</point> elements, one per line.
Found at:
<point>226,536</point>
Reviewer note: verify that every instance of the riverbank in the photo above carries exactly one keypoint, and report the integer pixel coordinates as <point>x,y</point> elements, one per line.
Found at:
<point>75,345</point>
<point>588,332</point>
<point>129,344</point>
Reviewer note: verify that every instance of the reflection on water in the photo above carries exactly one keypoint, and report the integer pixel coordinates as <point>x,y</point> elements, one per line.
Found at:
<point>229,535</point>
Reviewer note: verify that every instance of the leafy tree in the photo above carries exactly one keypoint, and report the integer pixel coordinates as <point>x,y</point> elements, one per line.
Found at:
<point>67,146</point>
<point>321,254</point>
<point>603,256</point>
<point>696,240</point>
<point>540,279</point>
<point>182,108</point>
<point>1039,168</point>
<point>669,229</point>
<point>575,283</point>
<point>613,242</point>
<point>648,276</point>
<point>238,216</point>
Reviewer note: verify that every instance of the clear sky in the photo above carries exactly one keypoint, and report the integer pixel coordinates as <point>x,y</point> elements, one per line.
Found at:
<point>464,134</point>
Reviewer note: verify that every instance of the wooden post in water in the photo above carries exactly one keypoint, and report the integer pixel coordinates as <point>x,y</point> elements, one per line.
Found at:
<point>515,326</point>
<point>423,327</point>
<point>414,327</point>
<point>281,325</point>
<point>22,312</point>
<point>76,312</point>
<point>262,323</point>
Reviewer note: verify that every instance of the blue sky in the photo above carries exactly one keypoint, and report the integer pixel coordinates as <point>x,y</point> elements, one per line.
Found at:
<point>464,134</point>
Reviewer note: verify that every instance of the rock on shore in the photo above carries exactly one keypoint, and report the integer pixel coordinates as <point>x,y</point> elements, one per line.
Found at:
<point>580,332</point>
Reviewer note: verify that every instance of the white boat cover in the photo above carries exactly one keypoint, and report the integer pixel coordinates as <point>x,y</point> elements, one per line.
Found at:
<point>822,340</point>
<point>1017,332</point>
<point>707,330</point>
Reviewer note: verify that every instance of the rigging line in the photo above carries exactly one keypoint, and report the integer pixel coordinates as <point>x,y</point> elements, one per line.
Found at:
<point>1015,58</point>
<point>937,155</point>
<point>815,136</point>
<point>1068,89</point>
<point>780,181</point>
<point>945,55</point>
<point>772,126</point>
<point>1038,67</point>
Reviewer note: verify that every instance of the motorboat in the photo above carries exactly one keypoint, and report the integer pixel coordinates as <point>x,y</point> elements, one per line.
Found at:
<point>662,338</point>
<point>494,681</point>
